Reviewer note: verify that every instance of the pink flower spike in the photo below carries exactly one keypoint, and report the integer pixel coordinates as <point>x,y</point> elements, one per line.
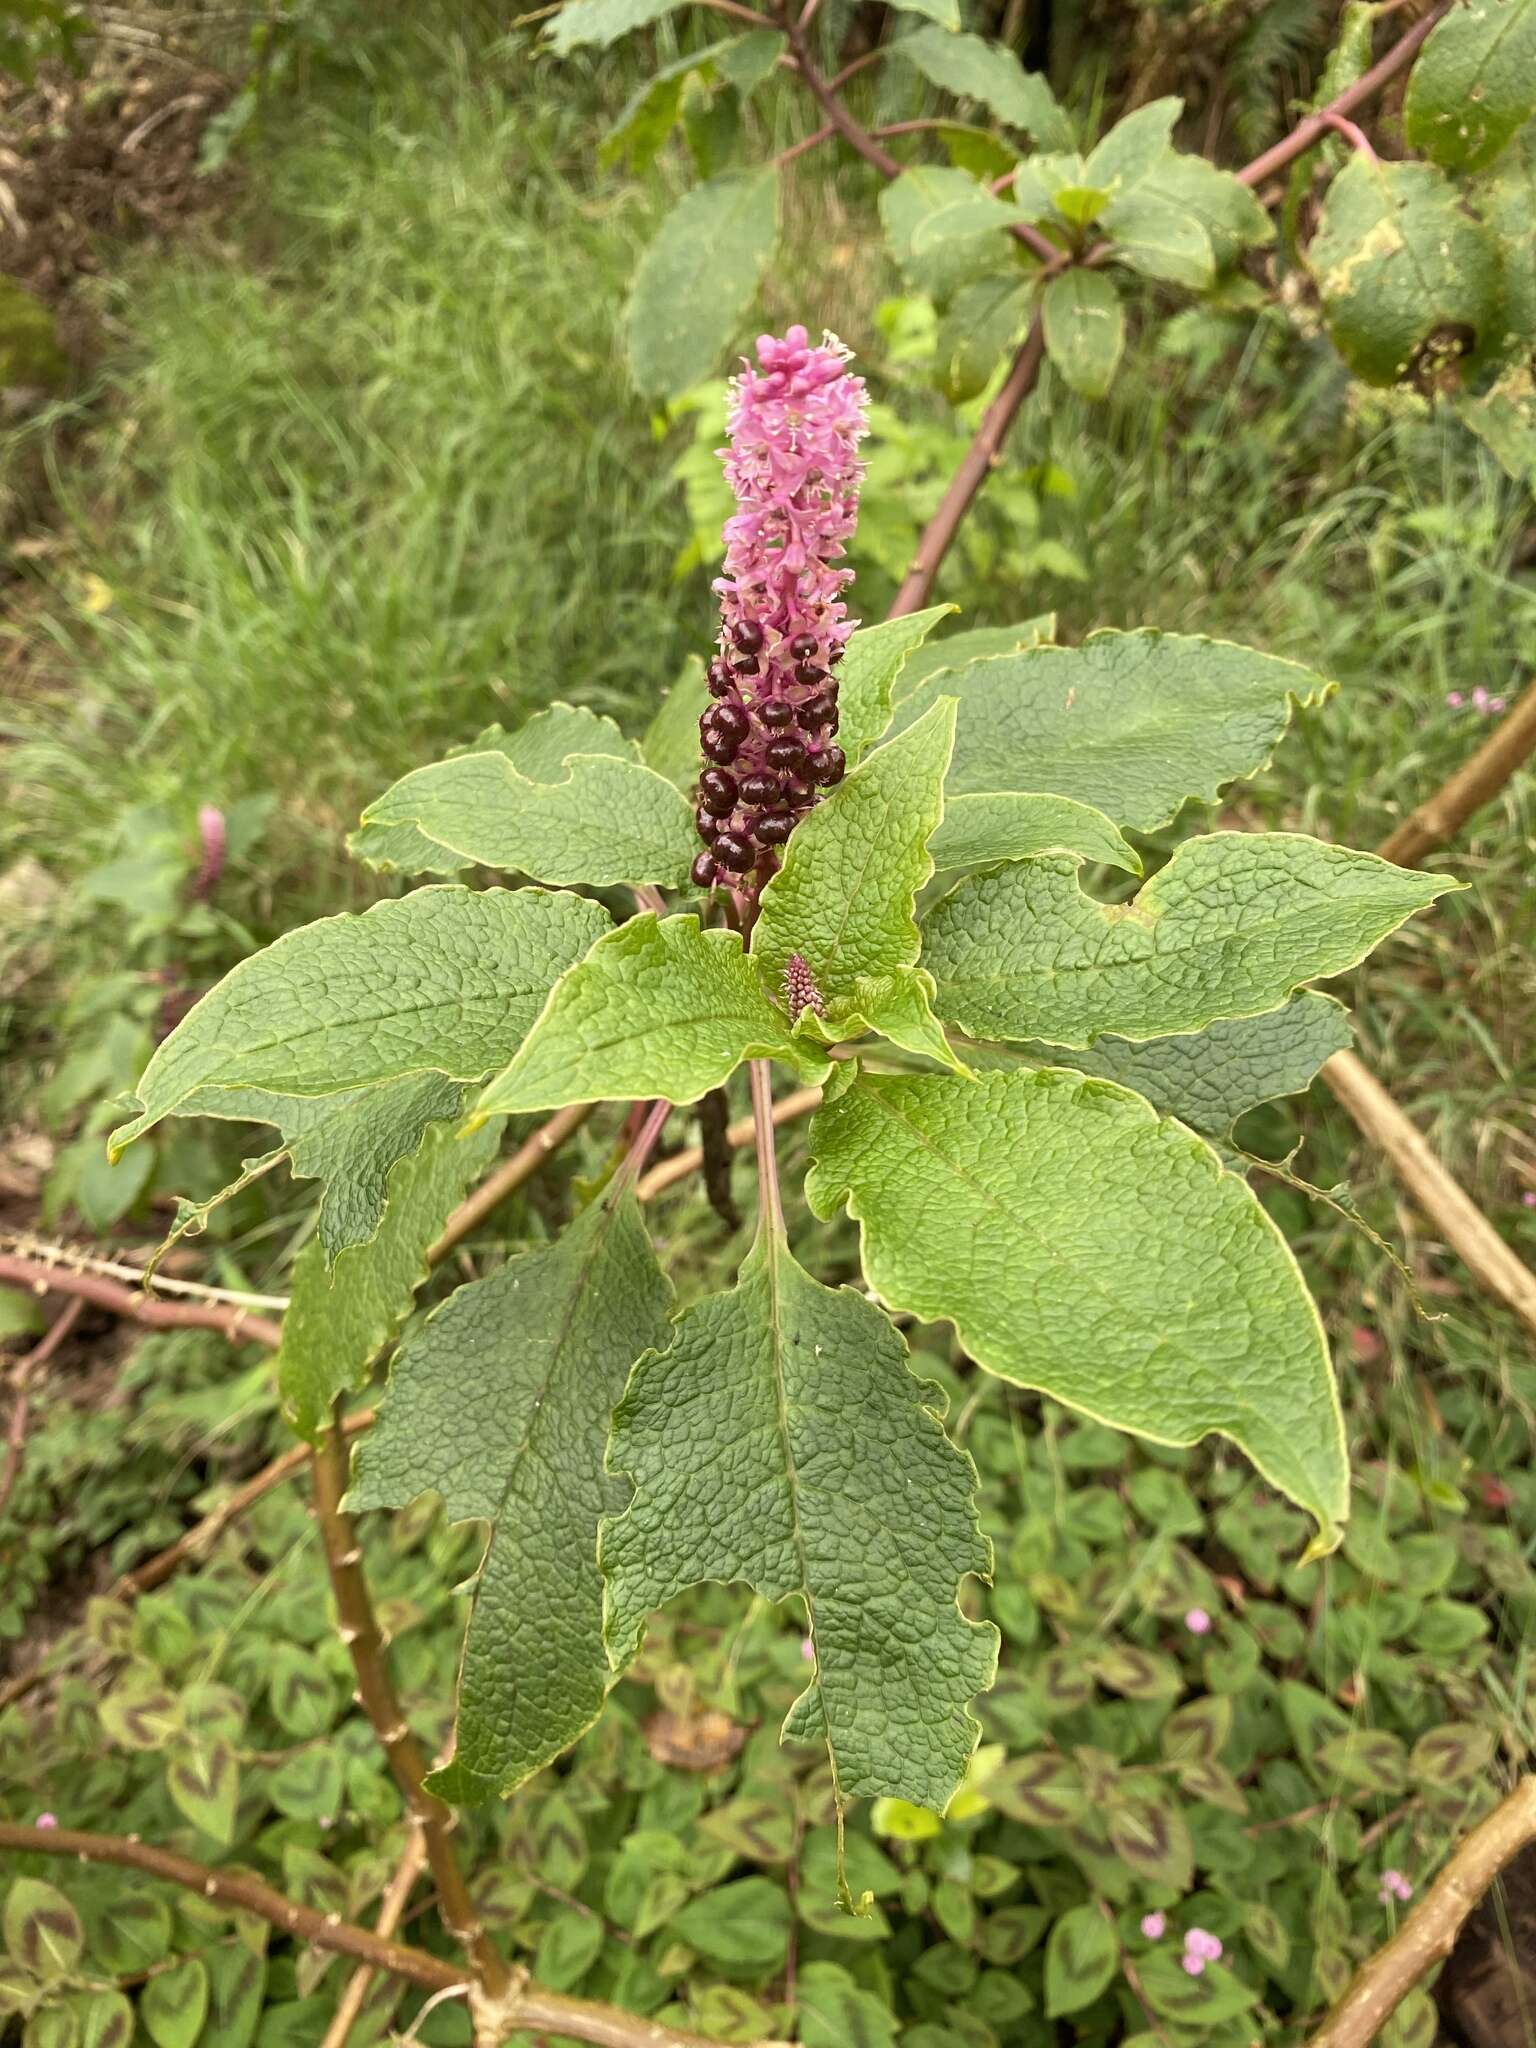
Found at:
<point>1198,1622</point>
<point>1154,1925</point>
<point>46,1820</point>
<point>1455,699</point>
<point>1193,1963</point>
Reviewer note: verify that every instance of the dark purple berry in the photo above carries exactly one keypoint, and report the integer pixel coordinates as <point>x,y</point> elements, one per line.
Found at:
<point>760,788</point>
<point>808,677</point>
<point>775,712</point>
<point>730,718</point>
<point>818,712</point>
<point>721,682</point>
<point>802,647</point>
<point>733,852</point>
<point>748,636</point>
<point>836,656</point>
<point>707,824</point>
<point>786,752</point>
<point>828,767</point>
<point>704,871</point>
<point>745,668</point>
<point>773,828</point>
<point>721,747</point>
<point>798,794</point>
<point>717,792</point>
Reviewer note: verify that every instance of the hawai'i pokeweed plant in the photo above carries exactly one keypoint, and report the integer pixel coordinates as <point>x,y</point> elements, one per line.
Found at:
<point>1027,1097</point>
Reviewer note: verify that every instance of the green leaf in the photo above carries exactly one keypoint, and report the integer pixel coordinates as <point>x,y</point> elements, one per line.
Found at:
<point>1131,723</point>
<point>1229,928</point>
<point>105,2017</point>
<point>539,750</point>
<point>835,2013</point>
<point>1217,1994</point>
<point>1151,1837</point>
<point>652,110</point>
<point>958,650</point>
<point>743,1926</point>
<point>1158,237</point>
<point>308,1785</point>
<point>236,1981</point>
<point>1506,199</point>
<point>1209,1078</point>
<point>42,1929</point>
<point>567,1949</point>
<point>1133,147</point>
<point>501,1403</point>
<point>975,69</point>
<point>446,980</point>
<point>602,21</point>
<point>203,1779</point>
<point>784,1441</point>
<point>1081,1960</point>
<point>979,212</point>
<point>1084,329</point>
<point>844,900</point>
<point>1405,274</point>
<point>875,661</point>
<point>1042,1789</point>
<point>671,742</point>
<point>748,61</point>
<point>945,12</point>
<point>341,1314</point>
<point>349,1141</point>
<point>1451,1754</point>
<point>174,2004</point>
<point>984,321</point>
<point>1085,1247</point>
<point>1224,209</point>
<point>1473,83</point>
<point>999,825</point>
<point>52,2026</point>
<point>658,1007</point>
<point>698,278</point>
<point>606,822</point>
<point>909,202</point>
<point>302,1692</point>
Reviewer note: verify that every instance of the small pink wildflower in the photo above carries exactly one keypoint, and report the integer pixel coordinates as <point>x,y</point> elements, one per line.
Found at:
<point>1193,1963</point>
<point>1198,1622</point>
<point>1154,1925</point>
<point>1496,703</point>
<point>46,1820</point>
<point>1528,1199</point>
<point>1454,699</point>
<point>1394,1886</point>
<point>1206,1946</point>
<point>214,842</point>
<point>1479,699</point>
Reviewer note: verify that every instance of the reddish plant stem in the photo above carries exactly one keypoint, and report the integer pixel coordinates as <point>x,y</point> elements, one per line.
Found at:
<point>21,1380</point>
<point>668,1172</point>
<point>1355,136</point>
<point>239,1325</point>
<point>770,1203</point>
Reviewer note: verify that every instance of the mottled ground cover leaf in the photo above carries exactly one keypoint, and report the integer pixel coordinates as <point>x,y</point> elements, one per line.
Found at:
<point>341,1314</point>
<point>698,278</point>
<point>845,898</point>
<point>974,68</point>
<point>1209,1078</point>
<point>501,1402</point>
<point>1473,83</point>
<point>538,749</point>
<point>875,661</point>
<point>1131,723</point>
<point>958,650</point>
<point>1232,925</point>
<point>604,822</point>
<point>446,980</point>
<point>1084,1246</point>
<point>347,1141</point>
<point>783,1441</point>
<point>1084,329</point>
<point>1403,270</point>
<point>658,1007</point>
<point>1008,824</point>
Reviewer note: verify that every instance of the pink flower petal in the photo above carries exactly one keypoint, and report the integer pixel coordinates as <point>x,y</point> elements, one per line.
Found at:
<point>1154,1925</point>
<point>1198,1622</point>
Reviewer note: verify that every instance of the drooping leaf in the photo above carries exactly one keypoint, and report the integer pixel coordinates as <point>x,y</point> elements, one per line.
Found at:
<point>501,1404</point>
<point>1011,825</point>
<point>782,1440</point>
<point>958,650</point>
<point>1124,157</point>
<point>1084,329</point>
<point>984,321</point>
<point>1132,723</point>
<point>1081,1959</point>
<point>1473,83</point>
<point>348,1141</point>
<point>652,111</point>
<point>604,822</point>
<point>671,742</point>
<point>698,278</point>
<point>1207,1079</point>
<point>844,900</point>
<point>1407,277</point>
<point>341,1314</point>
<point>603,21</point>
<point>447,980</point>
<point>539,749</point>
<point>1232,925</point>
<point>973,68</point>
<point>875,662</point>
<point>1082,1245</point>
<point>658,1007</point>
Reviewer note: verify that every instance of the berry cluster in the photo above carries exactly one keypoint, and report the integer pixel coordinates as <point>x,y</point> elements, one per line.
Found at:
<point>770,733</point>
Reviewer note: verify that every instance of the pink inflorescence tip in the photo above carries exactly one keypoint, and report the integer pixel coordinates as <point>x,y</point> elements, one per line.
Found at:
<point>795,423</point>
<point>1154,1925</point>
<point>1198,1622</point>
<point>46,1820</point>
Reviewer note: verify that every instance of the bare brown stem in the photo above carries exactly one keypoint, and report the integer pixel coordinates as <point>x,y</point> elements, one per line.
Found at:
<point>521,1166</point>
<point>401,1885</point>
<point>381,1703</point>
<point>42,1276</point>
<point>668,1172</point>
<point>1429,1933</point>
